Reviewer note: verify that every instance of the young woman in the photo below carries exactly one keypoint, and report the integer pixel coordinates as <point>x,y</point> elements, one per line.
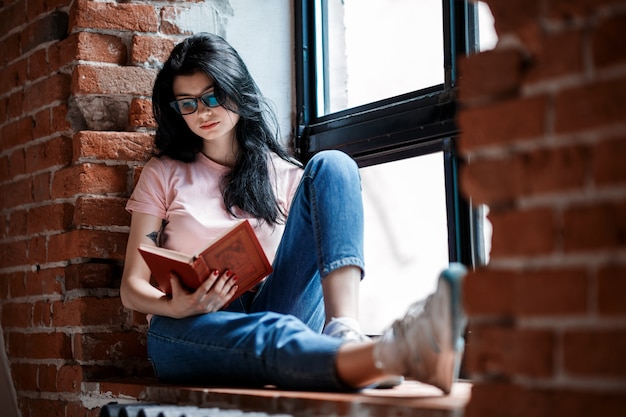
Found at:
<point>219,161</point>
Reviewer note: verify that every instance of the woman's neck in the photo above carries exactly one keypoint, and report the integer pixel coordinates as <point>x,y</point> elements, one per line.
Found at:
<point>221,153</point>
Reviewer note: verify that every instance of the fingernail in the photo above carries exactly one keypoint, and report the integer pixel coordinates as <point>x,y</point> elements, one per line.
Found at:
<point>228,273</point>
<point>216,272</point>
<point>235,278</point>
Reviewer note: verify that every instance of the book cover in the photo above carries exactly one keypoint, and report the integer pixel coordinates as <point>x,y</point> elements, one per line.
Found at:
<point>238,250</point>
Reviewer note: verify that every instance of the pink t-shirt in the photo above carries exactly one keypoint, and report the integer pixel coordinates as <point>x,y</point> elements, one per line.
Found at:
<point>188,197</point>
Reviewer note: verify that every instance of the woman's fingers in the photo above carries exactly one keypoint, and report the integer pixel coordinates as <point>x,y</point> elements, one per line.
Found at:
<point>218,293</point>
<point>210,296</point>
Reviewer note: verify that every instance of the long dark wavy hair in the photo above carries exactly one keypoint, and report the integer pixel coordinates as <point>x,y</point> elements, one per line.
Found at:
<point>247,186</point>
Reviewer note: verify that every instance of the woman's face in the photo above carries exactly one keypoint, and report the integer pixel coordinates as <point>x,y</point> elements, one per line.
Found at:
<point>216,125</point>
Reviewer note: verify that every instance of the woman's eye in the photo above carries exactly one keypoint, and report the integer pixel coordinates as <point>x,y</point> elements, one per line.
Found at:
<point>187,104</point>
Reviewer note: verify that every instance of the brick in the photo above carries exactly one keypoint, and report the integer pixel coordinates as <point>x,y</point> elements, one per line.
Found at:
<point>16,193</point>
<point>55,345</point>
<point>507,293</point>
<point>503,350</point>
<point>493,124</point>
<point>98,244</point>
<point>52,217</point>
<point>611,290</point>
<point>608,162</point>
<point>51,27</point>
<point>44,408</point>
<point>47,378</point>
<point>25,376</point>
<point>46,92</point>
<point>37,250</point>
<point>567,9</point>
<point>117,16</point>
<point>100,48</point>
<point>593,227</point>
<point>13,76</point>
<point>493,181</point>
<point>141,114</point>
<point>89,311</point>
<point>489,292</point>
<point>110,346</point>
<point>92,275</point>
<point>13,254</point>
<point>13,12</point>
<point>556,169</point>
<point>69,379</point>
<point>63,53</point>
<point>590,106</point>
<point>42,314</point>
<point>504,399</point>
<point>55,152</point>
<point>87,79</point>
<point>17,224</point>
<point>607,42</point>
<point>101,211</point>
<point>16,133</point>
<point>89,178</point>
<point>60,119</point>
<point>39,282</point>
<point>42,124</point>
<point>4,168</point>
<point>17,315</point>
<point>523,233</point>
<point>4,109</point>
<point>597,353</point>
<point>550,299</point>
<point>150,49</point>
<point>35,8</point>
<point>561,54</point>
<point>41,187</point>
<point>125,146</point>
<point>11,47</point>
<point>38,65</point>
<point>472,69</point>
<point>15,105</point>
<point>17,163</point>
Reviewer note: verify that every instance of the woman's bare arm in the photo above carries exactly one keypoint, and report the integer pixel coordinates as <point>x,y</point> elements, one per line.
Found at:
<point>137,293</point>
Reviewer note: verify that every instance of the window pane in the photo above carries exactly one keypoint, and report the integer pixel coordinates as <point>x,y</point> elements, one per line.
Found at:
<point>369,50</point>
<point>406,236</point>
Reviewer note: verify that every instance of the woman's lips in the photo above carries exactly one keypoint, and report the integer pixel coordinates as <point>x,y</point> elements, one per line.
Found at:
<point>208,126</point>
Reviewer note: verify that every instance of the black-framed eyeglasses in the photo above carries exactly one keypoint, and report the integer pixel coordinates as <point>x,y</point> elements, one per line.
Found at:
<point>189,105</point>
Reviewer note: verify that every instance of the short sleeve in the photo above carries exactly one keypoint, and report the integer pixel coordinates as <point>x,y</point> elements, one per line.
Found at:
<point>149,195</point>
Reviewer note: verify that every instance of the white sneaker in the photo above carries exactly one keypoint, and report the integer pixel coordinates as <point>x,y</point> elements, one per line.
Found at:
<point>345,328</point>
<point>349,330</point>
<point>427,343</point>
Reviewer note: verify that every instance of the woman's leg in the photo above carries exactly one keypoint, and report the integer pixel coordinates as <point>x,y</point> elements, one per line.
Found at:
<point>323,238</point>
<point>226,348</point>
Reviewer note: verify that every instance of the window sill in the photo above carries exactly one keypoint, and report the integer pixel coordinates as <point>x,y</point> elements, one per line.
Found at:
<point>409,399</point>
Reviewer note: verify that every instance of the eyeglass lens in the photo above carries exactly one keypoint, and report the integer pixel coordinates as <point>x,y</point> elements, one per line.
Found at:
<point>186,106</point>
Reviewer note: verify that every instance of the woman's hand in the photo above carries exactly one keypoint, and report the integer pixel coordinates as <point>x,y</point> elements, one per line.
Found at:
<point>211,296</point>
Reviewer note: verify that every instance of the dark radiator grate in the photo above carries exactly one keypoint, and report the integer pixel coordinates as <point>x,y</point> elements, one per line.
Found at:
<point>157,410</point>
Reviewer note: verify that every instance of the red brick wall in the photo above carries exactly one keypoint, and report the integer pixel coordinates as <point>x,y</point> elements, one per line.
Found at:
<point>75,126</point>
<point>543,119</point>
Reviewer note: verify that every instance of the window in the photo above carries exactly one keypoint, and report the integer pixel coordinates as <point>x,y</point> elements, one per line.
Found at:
<point>377,80</point>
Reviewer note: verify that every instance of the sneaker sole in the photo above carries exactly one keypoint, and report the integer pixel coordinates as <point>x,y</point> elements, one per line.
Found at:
<point>450,357</point>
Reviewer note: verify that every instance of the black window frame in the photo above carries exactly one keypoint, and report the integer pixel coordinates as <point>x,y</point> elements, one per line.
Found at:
<point>413,124</point>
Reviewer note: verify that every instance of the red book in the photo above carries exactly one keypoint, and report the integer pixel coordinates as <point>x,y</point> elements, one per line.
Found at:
<point>238,250</point>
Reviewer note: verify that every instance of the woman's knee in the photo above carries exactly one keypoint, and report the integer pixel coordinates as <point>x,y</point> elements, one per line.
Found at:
<point>333,161</point>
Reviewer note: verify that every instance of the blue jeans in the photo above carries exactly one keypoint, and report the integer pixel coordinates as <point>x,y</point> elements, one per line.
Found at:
<point>272,337</point>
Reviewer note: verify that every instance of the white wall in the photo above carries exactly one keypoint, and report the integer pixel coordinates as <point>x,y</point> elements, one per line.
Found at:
<point>262,33</point>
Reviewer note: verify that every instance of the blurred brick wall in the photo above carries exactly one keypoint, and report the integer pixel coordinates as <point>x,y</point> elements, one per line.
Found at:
<point>543,120</point>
